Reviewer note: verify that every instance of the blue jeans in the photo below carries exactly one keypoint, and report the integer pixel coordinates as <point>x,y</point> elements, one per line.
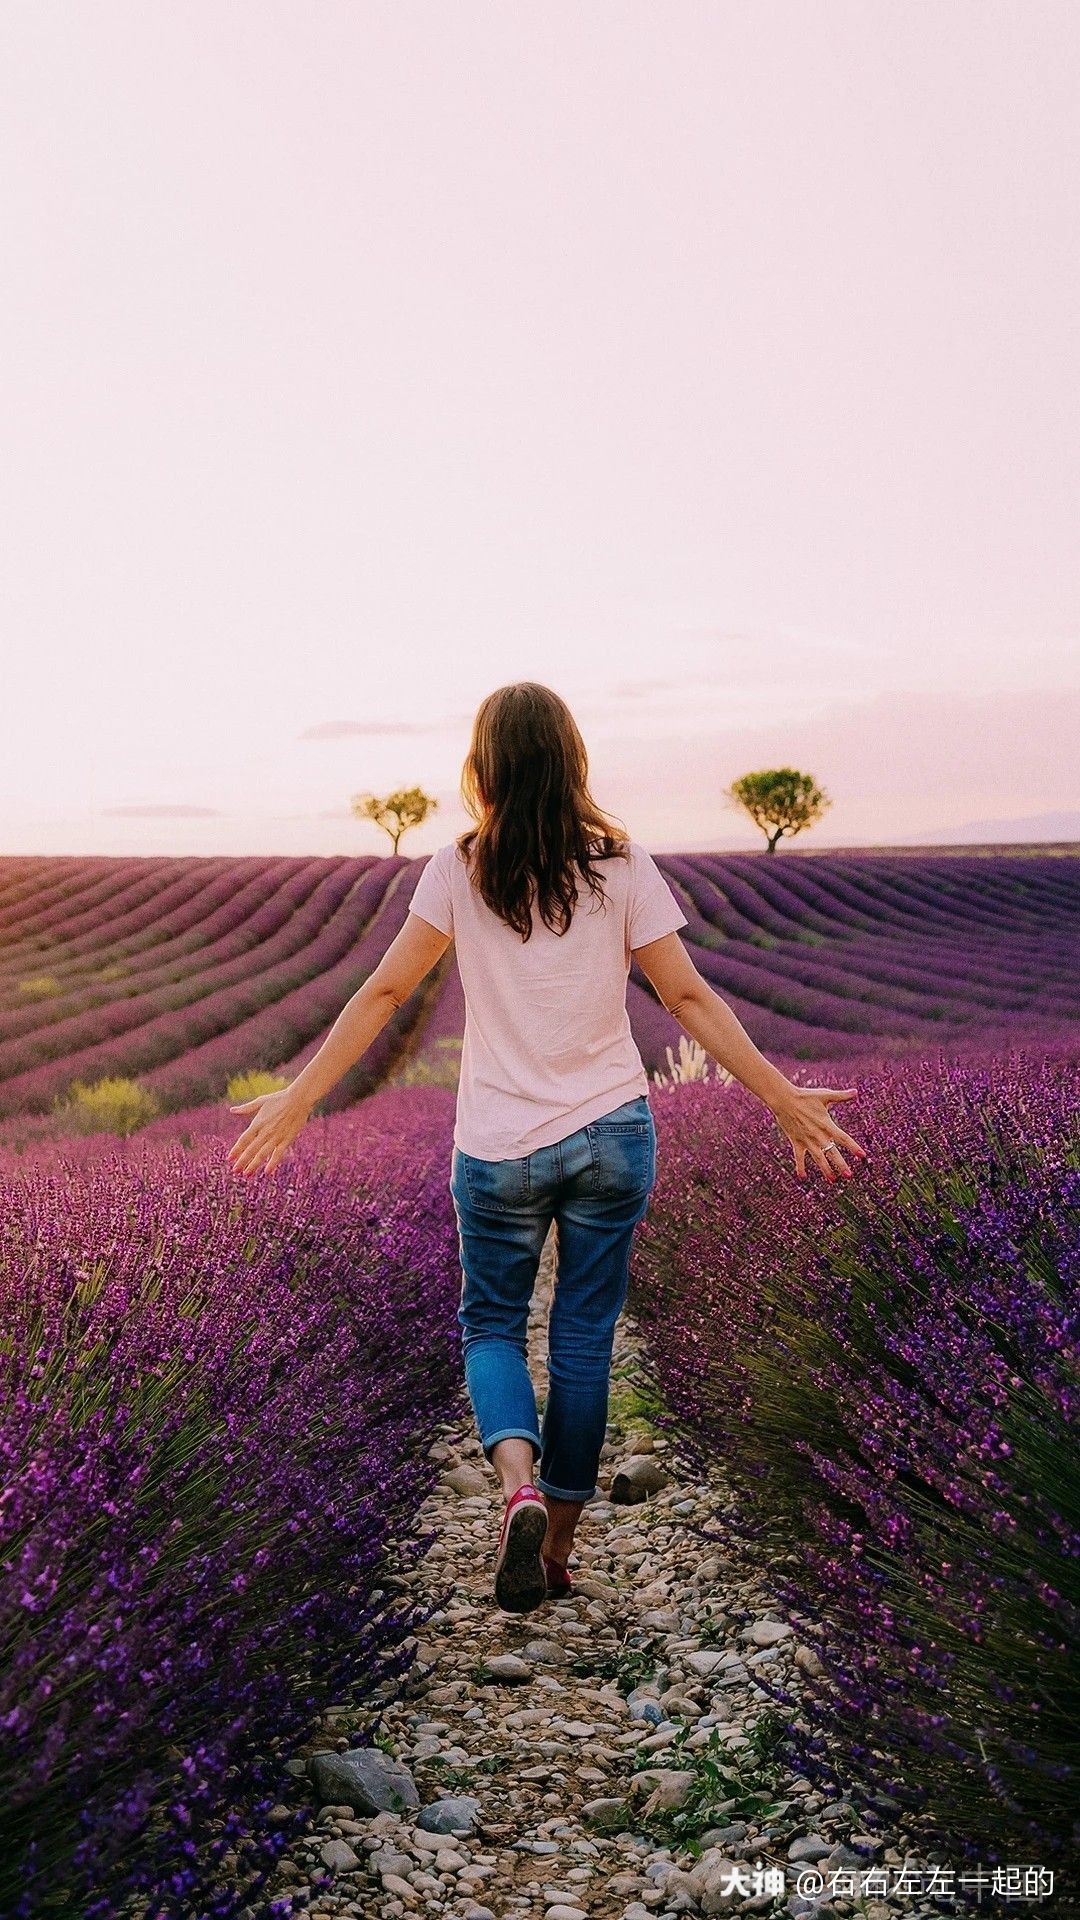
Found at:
<point>595,1185</point>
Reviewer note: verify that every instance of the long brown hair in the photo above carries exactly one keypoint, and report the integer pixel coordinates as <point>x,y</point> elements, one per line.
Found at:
<point>525,782</point>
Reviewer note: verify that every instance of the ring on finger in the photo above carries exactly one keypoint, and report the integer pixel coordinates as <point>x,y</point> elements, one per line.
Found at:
<point>833,1147</point>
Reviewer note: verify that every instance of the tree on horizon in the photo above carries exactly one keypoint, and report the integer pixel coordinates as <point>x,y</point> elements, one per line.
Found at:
<point>408,807</point>
<point>779,801</point>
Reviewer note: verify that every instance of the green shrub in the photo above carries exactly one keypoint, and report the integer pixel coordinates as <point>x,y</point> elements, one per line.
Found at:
<point>439,1067</point>
<point>248,1086</point>
<point>106,1106</point>
<point>38,986</point>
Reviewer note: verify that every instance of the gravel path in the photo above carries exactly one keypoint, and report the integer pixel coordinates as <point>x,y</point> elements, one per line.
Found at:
<point>571,1753</point>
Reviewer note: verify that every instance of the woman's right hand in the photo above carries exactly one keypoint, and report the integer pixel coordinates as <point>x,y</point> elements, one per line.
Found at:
<point>802,1113</point>
<point>276,1120</point>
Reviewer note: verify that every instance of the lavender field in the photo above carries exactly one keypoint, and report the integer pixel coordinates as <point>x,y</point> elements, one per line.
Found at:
<point>181,973</point>
<point>215,1393</point>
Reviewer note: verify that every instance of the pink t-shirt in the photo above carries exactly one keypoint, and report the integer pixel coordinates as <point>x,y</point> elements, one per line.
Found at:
<point>548,1045</point>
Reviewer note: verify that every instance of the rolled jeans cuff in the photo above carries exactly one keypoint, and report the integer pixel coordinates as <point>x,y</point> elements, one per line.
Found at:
<point>511,1433</point>
<point>560,1493</point>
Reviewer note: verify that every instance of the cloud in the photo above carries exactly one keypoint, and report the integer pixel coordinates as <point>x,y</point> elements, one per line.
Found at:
<point>164,811</point>
<point>375,729</point>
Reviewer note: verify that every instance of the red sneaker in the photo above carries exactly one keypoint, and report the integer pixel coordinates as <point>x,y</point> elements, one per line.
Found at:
<point>558,1584</point>
<point>519,1574</point>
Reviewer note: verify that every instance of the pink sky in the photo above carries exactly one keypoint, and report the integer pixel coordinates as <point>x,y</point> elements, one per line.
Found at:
<point>714,364</point>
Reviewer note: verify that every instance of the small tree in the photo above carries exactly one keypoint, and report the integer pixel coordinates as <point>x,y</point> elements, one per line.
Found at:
<point>409,807</point>
<point>779,801</point>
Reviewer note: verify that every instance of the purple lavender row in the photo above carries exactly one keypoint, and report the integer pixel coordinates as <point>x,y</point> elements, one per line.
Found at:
<point>34,884</point>
<point>70,948</point>
<point>886,953</point>
<point>21,876</point>
<point>888,1368</point>
<point>175,920</point>
<point>281,1036</point>
<point>212,1433</point>
<point>317,944</point>
<point>954,895</point>
<point>851,988</point>
<point>812,993</point>
<point>951,894</point>
<point>256,938</point>
<point>95,889</point>
<point>325,997</point>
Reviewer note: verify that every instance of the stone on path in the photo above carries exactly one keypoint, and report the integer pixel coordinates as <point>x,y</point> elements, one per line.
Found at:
<point>391,1860</point>
<point>365,1779</point>
<point>606,1812</point>
<point>425,1842</point>
<point>679,1705</point>
<point>590,1588</point>
<point>706,1661</point>
<point>458,1813</point>
<point>547,1653</point>
<point>809,1846</point>
<point>636,1479</point>
<point>712,1881</point>
<point>339,1856</point>
<point>666,1788</point>
<point>465,1480</point>
<point>766,1633</point>
<point>507,1668</point>
<point>661,1620</point>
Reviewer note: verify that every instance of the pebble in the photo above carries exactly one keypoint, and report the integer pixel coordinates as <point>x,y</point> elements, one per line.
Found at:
<point>456,1814</point>
<point>338,1855</point>
<point>636,1479</point>
<point>424,1842</point>
<point>766,1633</point>
<point>467,1480</point>
<point>547,1652</point>
<point>706,1662</point>
<point>508,1668</point>
<point>393,1883</point>
<point>364,1779</point>
<point>810,1847</point>
<point>390,1860</point>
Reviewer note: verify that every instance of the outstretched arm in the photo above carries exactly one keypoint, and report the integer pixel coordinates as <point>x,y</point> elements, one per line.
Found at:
<point>278,1117</point>
<point>802,1113</point>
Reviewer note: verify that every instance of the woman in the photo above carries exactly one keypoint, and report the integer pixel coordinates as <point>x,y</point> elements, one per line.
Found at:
<point>547,900</point>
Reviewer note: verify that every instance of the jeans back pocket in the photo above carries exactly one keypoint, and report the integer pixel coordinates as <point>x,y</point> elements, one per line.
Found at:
<point>624,1150</point>
<point>492,1186</point>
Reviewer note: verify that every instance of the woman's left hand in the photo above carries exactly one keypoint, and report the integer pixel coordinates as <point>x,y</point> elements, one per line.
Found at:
<point>277,1119</point>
